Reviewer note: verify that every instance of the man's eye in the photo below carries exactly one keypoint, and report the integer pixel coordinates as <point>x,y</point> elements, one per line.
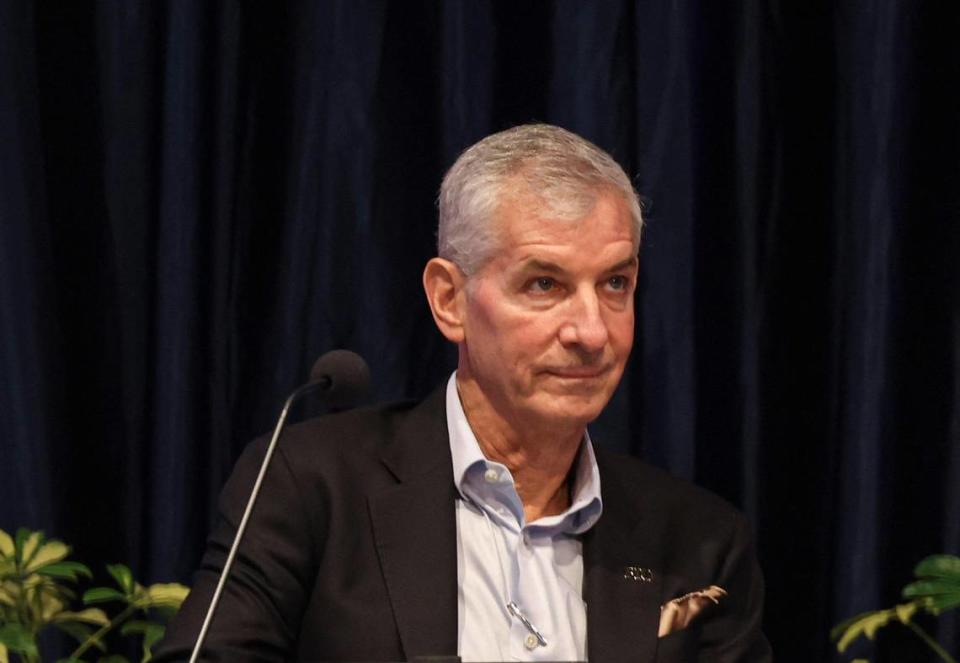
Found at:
<point>543,284</point>
<point>618,282</point>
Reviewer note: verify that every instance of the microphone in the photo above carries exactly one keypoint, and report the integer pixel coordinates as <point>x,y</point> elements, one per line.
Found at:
<point>342,377</point>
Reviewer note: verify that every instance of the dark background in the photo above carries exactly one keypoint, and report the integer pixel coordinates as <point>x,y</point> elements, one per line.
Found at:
<point>198,198</point>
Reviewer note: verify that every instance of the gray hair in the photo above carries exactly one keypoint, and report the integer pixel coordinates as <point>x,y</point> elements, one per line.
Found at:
<point>564,171</point>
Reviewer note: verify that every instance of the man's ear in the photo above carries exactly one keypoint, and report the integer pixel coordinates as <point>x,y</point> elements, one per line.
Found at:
<point>444,284</point>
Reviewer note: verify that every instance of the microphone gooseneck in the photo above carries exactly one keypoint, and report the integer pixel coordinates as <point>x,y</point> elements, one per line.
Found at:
<point>343,377</point>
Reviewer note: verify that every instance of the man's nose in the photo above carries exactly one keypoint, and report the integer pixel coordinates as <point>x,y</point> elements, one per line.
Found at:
<point>585,326</point>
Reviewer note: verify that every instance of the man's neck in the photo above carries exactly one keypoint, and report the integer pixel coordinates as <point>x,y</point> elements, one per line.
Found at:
<point>539,456</point>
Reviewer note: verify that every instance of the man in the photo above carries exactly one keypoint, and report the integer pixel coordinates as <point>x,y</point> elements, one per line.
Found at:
<point>482,522</point>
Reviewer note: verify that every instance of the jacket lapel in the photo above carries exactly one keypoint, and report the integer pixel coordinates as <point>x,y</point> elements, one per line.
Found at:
<point>414,524</point>
<point>622,578</point>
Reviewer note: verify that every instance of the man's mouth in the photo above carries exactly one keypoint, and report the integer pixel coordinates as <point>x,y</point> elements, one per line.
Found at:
<point>579,372</point>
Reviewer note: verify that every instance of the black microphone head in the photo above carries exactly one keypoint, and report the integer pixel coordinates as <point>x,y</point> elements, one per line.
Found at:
<point>347,374</point>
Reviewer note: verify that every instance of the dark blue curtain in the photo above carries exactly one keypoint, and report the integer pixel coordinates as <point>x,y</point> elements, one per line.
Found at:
<point>198,198</point>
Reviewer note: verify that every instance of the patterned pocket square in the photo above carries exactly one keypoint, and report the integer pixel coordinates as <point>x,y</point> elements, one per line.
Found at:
<point>677,614</point>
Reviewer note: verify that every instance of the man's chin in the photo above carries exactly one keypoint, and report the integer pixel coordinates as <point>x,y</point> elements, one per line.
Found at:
<point>572,408</point>
<point>591,388</point>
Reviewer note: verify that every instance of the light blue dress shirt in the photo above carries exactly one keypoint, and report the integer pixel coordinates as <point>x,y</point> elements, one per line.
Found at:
<point>501,558</point>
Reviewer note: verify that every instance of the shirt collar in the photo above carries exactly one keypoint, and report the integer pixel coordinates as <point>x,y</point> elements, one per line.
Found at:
<point>469,465</point>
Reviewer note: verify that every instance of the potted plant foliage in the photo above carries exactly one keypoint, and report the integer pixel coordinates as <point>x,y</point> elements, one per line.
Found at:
<point>39,589</point>
<point>936,590</point>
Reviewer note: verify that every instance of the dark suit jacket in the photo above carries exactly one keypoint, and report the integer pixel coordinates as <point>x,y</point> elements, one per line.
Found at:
<point>351,554</point>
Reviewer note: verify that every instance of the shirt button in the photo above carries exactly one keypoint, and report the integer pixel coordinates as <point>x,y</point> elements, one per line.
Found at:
<point>491,476</point>
<point>531,642</point>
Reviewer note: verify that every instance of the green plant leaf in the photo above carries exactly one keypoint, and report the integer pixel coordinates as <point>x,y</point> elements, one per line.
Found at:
<point>163,595</point>
<point>94,616</point>
<point>943,602</point>
<point>7,546</point>
<point>48,605</point>
<point>65,570</point>
<point>931,588</point>
<point>47,553</point>
<point>28,543</point>
<point>839,629</point>
<point>18,540</point>
<point>867,624</point>
<point>102,595</point>
<point>939,566</point>
<point>152,633</point>
<point>134,626</point>
<point>18,639</point>
<point>905,611</point>
<point>121,573</point>
<point>939,586</point>
<point>152,636</point>
<point>8,593</point>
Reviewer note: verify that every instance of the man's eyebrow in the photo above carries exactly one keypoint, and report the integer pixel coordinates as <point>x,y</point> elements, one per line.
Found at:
<point>537,265</point>
<point>629,263</point>
<point>547,267</point>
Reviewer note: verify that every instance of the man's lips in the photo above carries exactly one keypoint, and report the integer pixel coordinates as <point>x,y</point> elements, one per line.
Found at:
<point>579,372</point>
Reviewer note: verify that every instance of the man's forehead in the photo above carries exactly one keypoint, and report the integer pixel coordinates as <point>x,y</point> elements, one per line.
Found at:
<point>523,222</point>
